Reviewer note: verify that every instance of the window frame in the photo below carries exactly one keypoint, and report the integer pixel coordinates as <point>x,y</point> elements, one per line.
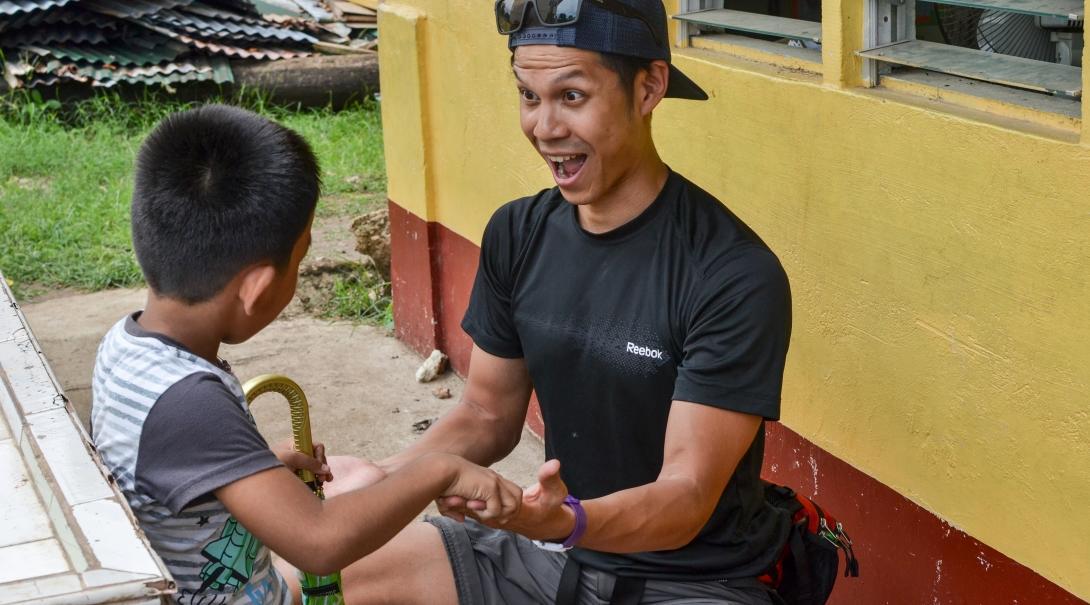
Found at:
<point>736,42</point>
<point>900,15</point>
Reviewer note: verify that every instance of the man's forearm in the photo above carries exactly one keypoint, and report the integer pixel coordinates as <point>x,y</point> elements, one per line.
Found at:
<point>663,515</point>
<point>702,450</point>
<point>464,431</point>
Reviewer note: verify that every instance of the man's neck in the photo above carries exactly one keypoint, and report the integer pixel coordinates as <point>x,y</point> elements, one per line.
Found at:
<point>636,191</point>
<point>192,326</point>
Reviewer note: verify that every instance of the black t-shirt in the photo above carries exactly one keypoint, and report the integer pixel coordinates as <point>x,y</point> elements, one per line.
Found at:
<point>685,303</point>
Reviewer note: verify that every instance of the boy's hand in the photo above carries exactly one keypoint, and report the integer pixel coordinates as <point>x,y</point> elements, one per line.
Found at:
<point>490,496</point>
<point>541,515</point>
<point>295,461</point>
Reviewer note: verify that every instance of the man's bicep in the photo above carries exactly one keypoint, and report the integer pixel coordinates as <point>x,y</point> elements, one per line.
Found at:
<point>704,444</point>
<point>736,346</point>
<point>489,318</point>
<point>498,387</point>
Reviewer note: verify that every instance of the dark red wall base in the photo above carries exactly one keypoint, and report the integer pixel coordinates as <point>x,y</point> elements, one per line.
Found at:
<point>907,555</point>
<point>432,276</point>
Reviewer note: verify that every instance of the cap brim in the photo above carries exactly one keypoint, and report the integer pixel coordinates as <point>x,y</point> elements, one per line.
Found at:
<point>681,87</point>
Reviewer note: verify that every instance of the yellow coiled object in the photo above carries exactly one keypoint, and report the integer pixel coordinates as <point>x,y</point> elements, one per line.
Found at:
<point>300,414</point>
<point>317,590</point>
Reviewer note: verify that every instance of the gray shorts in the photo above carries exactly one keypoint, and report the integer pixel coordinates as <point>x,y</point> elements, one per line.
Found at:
<point>496,567</point>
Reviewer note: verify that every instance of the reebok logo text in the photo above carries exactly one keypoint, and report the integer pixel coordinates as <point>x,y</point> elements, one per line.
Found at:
<point>643,351</point>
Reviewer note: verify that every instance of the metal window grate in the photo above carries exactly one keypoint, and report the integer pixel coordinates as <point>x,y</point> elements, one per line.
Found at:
<point>753,23</point>
<point>980,65</point>
<point>1064,9</point>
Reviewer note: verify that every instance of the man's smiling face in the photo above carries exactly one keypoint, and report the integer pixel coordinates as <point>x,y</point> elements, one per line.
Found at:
<point>575,112</point>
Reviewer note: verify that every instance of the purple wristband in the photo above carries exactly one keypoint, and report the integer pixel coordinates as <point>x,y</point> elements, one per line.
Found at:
<point>580,521</point>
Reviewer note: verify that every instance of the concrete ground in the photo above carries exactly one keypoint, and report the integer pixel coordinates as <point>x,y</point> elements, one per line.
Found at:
<point>359,380</point>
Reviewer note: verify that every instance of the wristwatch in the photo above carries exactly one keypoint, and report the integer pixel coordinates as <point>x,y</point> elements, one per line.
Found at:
<point>576,533</point>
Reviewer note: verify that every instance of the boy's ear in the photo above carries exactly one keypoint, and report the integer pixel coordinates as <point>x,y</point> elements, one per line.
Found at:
<point>256,282</point>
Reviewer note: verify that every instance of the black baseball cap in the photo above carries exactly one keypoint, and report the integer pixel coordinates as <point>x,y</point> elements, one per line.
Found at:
<point>605,31</point>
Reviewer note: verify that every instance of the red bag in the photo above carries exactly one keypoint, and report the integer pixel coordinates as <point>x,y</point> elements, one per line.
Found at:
<point>807,567</point>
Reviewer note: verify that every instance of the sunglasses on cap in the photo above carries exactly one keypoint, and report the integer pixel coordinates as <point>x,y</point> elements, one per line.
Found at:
<point>511,14</point>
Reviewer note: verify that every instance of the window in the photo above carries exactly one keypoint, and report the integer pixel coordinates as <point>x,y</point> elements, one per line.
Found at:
<point>1027,45</point>
<point>791,27</point>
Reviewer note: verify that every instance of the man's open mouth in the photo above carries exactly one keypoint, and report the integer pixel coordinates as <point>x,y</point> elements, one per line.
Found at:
<point>566,166</point>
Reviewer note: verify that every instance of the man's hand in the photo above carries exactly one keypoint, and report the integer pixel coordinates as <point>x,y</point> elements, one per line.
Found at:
<point>296,461</point>
<point>542,515</point>
<point>355,473</point>
<point>352,473</point>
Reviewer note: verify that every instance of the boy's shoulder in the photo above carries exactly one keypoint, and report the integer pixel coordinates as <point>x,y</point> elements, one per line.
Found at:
<point>151,356</point>
<point>163,417</point>
<point>136,368</point>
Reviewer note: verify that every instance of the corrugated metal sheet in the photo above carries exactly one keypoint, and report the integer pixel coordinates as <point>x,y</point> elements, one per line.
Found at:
<point>177,78</point>
<point>214,12</point>
<point>69,15</point>
<point>315,9</point>
<point>229,50</point>
<point>14,7</point>
<point>299,23</point>
<point>245,7</point>
<point>278,7</point>
<point>106,42</point>
<point>198,68</point>
<point>117,54</point>
<point>128,9</point>
<point>196,25</point>
<point>67,34</point>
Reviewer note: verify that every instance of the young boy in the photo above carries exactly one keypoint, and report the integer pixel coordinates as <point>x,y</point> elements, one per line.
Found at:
<point>221,214</point>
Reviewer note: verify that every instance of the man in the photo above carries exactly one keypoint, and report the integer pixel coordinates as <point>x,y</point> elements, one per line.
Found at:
<point>653,325</point>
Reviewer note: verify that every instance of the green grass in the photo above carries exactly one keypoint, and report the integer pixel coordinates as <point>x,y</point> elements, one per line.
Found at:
<point>66,180</point>
<point>357,299</point>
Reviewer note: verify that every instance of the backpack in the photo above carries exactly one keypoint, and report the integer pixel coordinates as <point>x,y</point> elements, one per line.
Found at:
<point>807,567</point>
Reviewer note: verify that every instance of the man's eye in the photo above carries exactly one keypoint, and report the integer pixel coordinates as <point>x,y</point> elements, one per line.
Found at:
<point>527,95</point>
<point>572,95</point>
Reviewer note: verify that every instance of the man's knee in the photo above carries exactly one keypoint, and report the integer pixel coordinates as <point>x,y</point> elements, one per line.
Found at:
<point>411,568</point>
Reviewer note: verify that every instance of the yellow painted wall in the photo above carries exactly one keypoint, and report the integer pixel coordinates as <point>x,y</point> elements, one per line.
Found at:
<point>938,258</point>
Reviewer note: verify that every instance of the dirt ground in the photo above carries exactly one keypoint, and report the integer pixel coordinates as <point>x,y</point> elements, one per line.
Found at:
<point>359,380</point>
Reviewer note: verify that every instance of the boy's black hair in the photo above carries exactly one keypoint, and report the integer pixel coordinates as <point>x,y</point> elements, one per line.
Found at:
<point>218,189</point>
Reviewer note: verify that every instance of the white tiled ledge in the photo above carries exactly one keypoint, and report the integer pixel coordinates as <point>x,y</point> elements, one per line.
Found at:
<point>69,536</point>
